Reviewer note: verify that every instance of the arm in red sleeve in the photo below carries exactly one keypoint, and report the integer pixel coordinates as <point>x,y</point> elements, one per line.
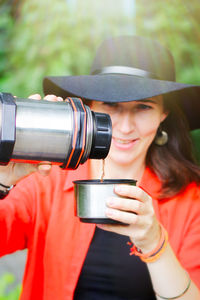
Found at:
<point>16,218</point>
<point>189,253</point>
<point>181,218</point>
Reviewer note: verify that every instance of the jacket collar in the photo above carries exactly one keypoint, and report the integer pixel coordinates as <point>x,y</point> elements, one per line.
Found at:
<point>150,183</point>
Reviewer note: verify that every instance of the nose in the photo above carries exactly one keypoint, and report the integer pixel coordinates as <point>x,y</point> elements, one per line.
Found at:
<point>126,122</point>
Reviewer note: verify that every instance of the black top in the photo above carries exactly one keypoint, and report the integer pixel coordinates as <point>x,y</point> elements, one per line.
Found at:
<point>110,273</point>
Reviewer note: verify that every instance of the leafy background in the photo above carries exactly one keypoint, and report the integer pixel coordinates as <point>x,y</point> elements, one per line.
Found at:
<point>39,38</point>
<point>9,290</point>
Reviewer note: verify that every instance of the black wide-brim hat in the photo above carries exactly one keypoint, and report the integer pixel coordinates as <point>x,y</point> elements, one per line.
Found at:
<point>129,68</point>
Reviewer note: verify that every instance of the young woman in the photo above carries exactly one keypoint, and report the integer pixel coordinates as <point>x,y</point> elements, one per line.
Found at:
<point>68,259</point>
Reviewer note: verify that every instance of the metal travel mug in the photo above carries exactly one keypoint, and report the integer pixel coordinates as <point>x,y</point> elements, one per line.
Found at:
<point>91,196</point>
<point>65,133</point>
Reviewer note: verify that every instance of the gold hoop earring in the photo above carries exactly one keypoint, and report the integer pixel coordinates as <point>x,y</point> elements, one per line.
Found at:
<point>161,138</point>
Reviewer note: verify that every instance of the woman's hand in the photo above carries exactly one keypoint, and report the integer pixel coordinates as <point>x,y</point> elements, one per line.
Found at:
<point>134,207</point>
<point>13,172</point>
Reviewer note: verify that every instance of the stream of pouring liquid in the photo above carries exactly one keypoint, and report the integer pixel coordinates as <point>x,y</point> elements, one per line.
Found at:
<point>102,170</point>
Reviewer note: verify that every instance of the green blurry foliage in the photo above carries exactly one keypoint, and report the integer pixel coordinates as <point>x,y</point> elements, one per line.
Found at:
<point>52,37</point>
<point>6,25</point>
<point>195,136</point>
<point>176,24</point>
<point>56,38</point>
<point>8,291</point>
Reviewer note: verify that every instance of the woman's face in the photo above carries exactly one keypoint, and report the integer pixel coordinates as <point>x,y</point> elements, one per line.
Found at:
<point>134,126</point>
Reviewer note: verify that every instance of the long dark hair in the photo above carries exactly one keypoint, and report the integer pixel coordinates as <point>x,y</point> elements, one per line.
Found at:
<point>174,163</point>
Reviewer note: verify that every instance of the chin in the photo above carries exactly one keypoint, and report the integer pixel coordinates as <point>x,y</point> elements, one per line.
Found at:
<point>123,161</point>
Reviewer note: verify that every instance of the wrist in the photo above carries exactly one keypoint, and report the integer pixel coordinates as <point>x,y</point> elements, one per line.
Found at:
<point>154,254</point>
<point>150,242</point>
<point>6,180</point>
<point>7,177</point>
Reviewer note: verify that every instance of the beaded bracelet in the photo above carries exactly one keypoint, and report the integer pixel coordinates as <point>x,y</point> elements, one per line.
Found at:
<point>156,252</point>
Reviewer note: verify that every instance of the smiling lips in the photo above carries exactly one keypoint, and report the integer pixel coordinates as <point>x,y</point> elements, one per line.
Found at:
<point>124,144</point>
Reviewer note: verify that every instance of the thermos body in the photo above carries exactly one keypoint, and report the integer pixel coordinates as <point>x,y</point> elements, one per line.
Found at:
<point>65,133</point>
<point>43,132</point>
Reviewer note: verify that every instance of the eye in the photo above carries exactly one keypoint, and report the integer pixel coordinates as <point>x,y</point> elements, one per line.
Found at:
<point>109,104</point>
<point>142,106</point>
<point>111,107</point>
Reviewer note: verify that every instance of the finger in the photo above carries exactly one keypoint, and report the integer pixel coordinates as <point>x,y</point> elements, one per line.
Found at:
<point>132,192</point>
<point>35,97</point>
<point>126,204</point>
<point>121,216</point>
<point>53,98</point>
<point>44,168</point>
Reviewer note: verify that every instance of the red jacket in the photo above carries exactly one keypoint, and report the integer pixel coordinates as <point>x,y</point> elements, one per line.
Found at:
<point>38,214</point>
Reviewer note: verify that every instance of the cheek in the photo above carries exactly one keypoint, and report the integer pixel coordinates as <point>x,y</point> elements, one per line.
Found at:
<point>147,128</point>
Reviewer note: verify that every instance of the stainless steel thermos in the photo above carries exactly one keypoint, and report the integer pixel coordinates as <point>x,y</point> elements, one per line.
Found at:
<point>65,133</point>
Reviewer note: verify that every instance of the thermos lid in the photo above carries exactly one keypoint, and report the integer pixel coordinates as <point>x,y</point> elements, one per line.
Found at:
<point>102,134</point>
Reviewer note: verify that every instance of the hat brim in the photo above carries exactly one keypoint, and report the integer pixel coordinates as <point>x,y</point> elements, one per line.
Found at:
<point>125,88</point>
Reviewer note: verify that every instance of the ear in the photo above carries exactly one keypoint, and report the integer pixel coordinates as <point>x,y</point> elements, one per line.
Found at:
<point>164,116</point>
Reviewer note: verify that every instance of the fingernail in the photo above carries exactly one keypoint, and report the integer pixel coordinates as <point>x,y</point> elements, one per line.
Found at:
<point>46,167</point>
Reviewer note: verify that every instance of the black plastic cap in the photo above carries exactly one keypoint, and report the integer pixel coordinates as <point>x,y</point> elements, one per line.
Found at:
<point>102,135</point>
<point>7,127</point>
